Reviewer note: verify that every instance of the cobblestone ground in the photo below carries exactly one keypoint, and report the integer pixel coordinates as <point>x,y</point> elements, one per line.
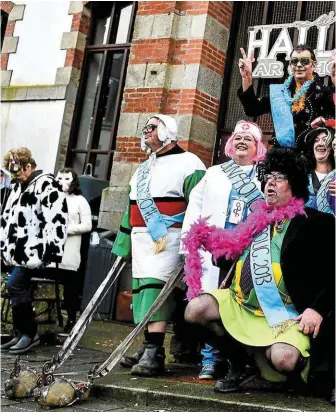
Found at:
<point>75,368</point>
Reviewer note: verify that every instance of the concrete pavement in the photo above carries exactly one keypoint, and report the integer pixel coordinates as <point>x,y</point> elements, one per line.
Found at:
<point>179,390</point>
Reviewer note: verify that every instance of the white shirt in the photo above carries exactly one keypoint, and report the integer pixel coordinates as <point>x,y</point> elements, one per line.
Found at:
<point>168,175</point>
<point>320,176</point>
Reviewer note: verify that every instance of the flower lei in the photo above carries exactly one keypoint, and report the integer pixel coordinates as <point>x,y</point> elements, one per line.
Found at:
<point>229,243</point>
<point>297,101</point>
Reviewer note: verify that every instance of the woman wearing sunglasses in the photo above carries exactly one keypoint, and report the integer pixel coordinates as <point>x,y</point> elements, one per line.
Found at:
<point>294,104</point>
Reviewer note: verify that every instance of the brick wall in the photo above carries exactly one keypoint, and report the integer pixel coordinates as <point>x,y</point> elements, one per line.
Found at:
<point>146,8</point>
<point>176,66</point>
<point>128,150</point>
<point>162,44</point>
<point>7,6</point>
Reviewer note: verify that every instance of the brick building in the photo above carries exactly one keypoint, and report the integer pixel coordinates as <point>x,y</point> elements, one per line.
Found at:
<point>79,79</point>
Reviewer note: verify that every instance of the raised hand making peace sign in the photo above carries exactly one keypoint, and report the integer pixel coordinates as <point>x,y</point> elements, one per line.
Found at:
<point>245,68</point>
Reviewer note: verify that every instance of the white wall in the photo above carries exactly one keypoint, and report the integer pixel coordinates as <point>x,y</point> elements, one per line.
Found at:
<point>35,125</point>
<point>40,33</point>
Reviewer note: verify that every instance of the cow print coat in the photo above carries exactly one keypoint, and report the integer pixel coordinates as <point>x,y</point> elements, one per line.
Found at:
<point>34,224</point>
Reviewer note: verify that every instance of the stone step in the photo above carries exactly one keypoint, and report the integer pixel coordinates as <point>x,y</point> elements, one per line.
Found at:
<point>181,388</point>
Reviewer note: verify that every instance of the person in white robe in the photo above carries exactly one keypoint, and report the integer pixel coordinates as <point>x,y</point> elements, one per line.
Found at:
<point>225,196</point>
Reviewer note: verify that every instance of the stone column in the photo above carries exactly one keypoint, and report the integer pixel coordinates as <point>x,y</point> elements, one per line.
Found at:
<point>176,67</point>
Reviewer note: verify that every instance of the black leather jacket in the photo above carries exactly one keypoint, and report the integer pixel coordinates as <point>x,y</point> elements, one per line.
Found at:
<point>319,102</point>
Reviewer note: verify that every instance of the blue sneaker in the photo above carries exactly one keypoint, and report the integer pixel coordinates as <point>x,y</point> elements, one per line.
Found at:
<point>207,372</point>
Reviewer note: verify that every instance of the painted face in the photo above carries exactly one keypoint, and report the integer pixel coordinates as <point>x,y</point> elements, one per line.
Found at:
<point>244,146</point>
<point>277,189</point>
<point>19,172</point>
<point>321,151</point>
<point>333,145</point>
<point>65,180</point>
<point>150,133</point>
<point>302,71</point>
<point>15,168</point>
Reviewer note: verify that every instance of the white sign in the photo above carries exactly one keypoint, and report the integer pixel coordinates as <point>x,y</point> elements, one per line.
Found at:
<point>268,66</point>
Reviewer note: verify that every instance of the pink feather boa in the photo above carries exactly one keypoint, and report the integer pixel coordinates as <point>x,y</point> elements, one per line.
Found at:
<point>231,242</point>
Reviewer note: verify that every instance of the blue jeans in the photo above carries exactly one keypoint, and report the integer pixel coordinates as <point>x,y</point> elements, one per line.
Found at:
<point>210,355</point>
<point>19,289</point>
<point>19,286</point>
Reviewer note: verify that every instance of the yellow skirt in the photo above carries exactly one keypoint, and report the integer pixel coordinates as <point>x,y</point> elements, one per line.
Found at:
<point>254,331</point>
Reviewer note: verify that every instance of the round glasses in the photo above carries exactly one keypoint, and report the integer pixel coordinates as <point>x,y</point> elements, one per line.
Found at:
<point>149,128</point>
<point>278,177</point>
<point>294,61</point>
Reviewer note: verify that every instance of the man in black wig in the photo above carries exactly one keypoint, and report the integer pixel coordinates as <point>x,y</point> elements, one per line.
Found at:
<point>281,290</point>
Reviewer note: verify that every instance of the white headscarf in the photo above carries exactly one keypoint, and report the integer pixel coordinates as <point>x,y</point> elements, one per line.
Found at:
<point>167,131</point>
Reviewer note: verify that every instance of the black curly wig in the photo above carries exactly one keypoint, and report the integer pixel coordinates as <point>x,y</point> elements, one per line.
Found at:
<point>75,185</point>
<point>292,164</point>
<point>309,145</point>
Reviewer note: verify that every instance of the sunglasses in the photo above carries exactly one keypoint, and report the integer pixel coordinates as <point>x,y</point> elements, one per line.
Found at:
<point>149,128</point>
<point>305,61</point>
<point>279,177</point>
